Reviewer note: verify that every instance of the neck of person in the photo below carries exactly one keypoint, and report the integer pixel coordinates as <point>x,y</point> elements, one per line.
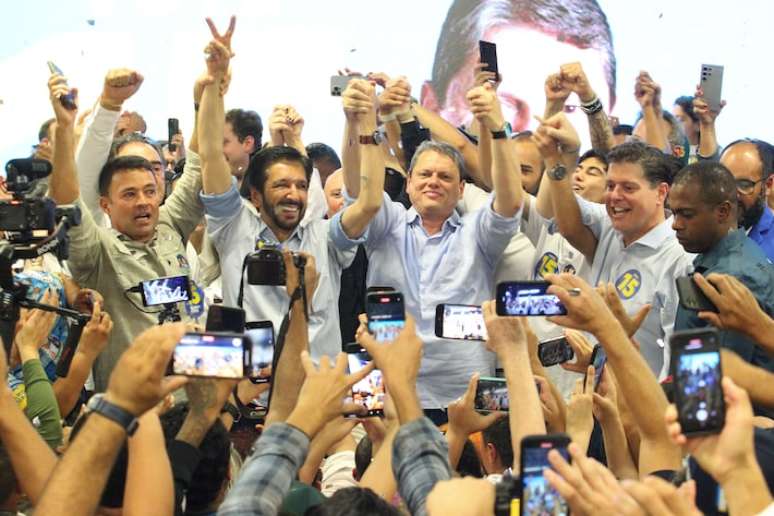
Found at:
<point>281,234</point>
<point>433,223</point>
<point>632,237</point>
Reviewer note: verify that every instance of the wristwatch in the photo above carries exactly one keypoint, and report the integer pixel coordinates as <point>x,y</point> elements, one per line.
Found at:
<point>232,409</point>
<point>100,405</point>
<point>557,173</point>
<point>374,138</point>
<point>503,133</point>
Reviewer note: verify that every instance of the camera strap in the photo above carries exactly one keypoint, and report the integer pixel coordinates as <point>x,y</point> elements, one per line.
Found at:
<point>241,295</point>
<point>299,293</point>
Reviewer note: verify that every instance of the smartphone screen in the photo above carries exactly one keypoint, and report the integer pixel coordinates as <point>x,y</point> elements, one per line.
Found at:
<point>555,351</point>
<point>598,360</point>
<point>488,53</point>
<point>386,315</point>
<point>465,322</point>
<point>697,375</point>
<point>527,298</point>
<point>537,495</point>
<point>260,335</point>
<point>491,395</point>
<point>225,318</point>
<point>210,354</point>
<point>369,391</point>
<point>165,290</point>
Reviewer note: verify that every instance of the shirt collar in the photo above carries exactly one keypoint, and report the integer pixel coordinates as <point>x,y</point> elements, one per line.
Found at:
<point>413,217</point>
<point>724,247</point>
<point>268,235</point>
<point>657,235</point>
<point>765,223</point>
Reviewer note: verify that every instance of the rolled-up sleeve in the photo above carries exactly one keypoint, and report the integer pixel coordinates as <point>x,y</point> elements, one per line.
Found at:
<point>494,232</point>
<point>221,210</point>
<point>419,461</point>
<point>593,215</point>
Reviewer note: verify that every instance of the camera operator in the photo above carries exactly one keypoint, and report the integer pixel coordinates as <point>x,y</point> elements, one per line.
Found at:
<point>145,241</point>
<point>279,179</point>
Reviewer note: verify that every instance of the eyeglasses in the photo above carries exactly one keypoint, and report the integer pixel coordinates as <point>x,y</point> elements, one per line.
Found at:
<point>746,186</point>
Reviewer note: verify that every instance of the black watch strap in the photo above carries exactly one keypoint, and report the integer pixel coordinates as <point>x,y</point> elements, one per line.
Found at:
<point>503,133</point>
<point>127,420</point>
<point>232,410</point>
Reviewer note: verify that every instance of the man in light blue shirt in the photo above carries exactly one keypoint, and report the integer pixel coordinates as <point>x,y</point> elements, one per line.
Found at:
<point>433,255</point>
<point>278,179</point>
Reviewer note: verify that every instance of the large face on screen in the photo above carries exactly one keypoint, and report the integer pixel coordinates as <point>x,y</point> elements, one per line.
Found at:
<point>525,58</point>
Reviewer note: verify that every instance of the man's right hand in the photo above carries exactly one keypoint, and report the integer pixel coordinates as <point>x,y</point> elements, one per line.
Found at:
<point>293,278</point>
<point>357,99</point>
<point>137,383</point>
<point>573,76</point>
<point>120,85</point>
<point>398,360</point>
<point>555,137</point>
<point>586,310</point>
<point>396,96</point>
<point>57,86</point>
<point>463,417</point>
<point>556,90</point>
<point>96,332</point>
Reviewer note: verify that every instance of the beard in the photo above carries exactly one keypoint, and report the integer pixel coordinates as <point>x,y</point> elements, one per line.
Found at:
<point>748,217</point>
<point>273,212</point>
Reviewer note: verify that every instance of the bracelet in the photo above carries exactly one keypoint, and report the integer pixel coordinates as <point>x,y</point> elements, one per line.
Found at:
<point>593,107</point>
<point>388,117</point>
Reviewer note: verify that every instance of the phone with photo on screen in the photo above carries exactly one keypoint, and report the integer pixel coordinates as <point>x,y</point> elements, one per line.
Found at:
<point>491,395</point>
<point>225,318</point>
<point>696,376</point>
<point>260,335</point>
<point>555,351</point>
<point>160,291</point>
<point>460,322</point>
<point>527,298</point>
<point>537,495</point>
<point>386,315</point>
<point>711,82</point>
<point>212,355</point>
<point>368,392</point>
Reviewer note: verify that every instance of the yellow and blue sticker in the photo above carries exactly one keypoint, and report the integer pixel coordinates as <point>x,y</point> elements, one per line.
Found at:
<point>628,284</point>
<point>194,307</point>
<point>547,264</point>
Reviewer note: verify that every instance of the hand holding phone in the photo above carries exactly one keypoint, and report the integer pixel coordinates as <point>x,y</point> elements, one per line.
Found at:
<point>488,56</point>
<point>386,315</point>
<point>173,128</point>
<point>260,335</point>
<point>691,296</point>
<point>527,298</point>
<point>537,495</point>
<point>492,395</point>
<point>212,355</point>
<point>711,84</point>
<point>555,351</point>
<point>368,392</point>
<point>67,100</point>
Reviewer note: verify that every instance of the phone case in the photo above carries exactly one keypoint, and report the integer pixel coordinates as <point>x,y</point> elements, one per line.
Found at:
<point>691,297</point>
<point>712,85</point>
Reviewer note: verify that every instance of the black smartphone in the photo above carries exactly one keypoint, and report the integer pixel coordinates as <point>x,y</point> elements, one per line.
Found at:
<point>260,334</point>
<point>212,355</point>
<point>67,100</point>
<point>386,315</point>
<point>368,392</point>
<point>711,82</point>
<point>527,298</point>
<point>225,318</point>
<point>462,322</point>
<point>488,56</point>
<point>160,291</point>
<point>692,297</point>
<point>555,351</point>
<point>173,128</point>
<point>598,360</point>
<point>537,495</point>
<point>491,395</point>
<point>339,84</point>
<point>696,376</point>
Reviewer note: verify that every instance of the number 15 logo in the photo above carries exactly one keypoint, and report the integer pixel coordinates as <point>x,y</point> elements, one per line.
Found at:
<point>628,284</point>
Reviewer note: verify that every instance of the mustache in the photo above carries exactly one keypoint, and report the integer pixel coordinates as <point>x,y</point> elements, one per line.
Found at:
<point>297,204</point>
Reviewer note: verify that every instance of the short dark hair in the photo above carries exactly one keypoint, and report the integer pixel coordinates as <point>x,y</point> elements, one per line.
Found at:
<point>215,450</point>
<point>686,103</point>
<point>120,164</point>
<point>135,137</point>
<point>716,183</point>
<point>623,129</point>
<point>593,154</point>
<point>324,152</point>
<point>655,165</point>
<point>469,464</point>
<point>7,476</point>
<point>499,435</point>
<point>354,501</point>
<point>268,156</point>
<point>581,23</point>
<point>44,128</point>
<point>246,123</point>
<point>765,154</point>
<point>363,455</point>
<point>441,148</point>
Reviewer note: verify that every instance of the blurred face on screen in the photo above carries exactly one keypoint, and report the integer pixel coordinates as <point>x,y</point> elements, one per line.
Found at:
<point>525,58</point>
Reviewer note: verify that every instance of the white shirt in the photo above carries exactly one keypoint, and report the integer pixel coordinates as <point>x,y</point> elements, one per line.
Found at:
<point>643,272</point>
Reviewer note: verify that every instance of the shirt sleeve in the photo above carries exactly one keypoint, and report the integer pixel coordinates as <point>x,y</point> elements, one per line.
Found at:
<point>317,206</point>
<point>42,408</point>
<point>390,214</point>
<point>92,154</point>
<point>267,475</point>
<point>533,223</point>
<point>473,198</point>
<point>593,215</point>
<point>337,472</point>
<point>419,461</point>
<point>183,208</point>
<point>493,231</point>
<point>221,211</point>
<point>85,257</point>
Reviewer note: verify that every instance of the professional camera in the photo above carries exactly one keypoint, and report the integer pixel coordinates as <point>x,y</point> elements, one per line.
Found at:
<point>267,266</point>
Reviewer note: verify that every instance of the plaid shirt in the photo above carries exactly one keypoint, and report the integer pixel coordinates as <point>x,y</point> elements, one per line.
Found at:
<point>267,475</point>
<point>420,459</point>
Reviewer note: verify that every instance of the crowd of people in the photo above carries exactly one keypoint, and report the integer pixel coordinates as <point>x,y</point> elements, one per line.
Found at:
<point>440,205</point>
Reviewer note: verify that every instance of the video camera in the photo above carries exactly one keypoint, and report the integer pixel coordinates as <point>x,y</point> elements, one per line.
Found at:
<point>33,225</point>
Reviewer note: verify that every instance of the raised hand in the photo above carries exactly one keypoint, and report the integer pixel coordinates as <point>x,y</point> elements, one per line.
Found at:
<point>485,106</point>
<point>358,99</point>
<point>586,310</point>
<point>582,348</point>
<point>556,90</point>
<point>481,76</point>
<point>120,84</point>
<point>630,323</point>
<point>96,332</point>
<point>57,86</point>
<point>464,419</point>
<point>573,77</point>
<point>396,96</point>
<point>701,109</point>
<point>225,38</point>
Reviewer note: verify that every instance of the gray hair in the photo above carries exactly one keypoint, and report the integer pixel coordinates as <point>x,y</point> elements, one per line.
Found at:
<point>441,148</point>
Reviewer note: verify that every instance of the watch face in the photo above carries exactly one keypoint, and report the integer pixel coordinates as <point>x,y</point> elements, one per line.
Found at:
<point>557,173</point>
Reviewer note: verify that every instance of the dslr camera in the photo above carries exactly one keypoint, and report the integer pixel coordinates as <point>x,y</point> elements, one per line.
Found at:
<point>267,266</point>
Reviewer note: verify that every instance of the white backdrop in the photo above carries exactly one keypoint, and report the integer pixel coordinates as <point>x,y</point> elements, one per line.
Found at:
<point>287,50</point>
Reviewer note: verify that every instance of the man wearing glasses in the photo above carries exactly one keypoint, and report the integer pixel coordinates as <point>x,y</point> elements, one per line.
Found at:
<point>750,161</point>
